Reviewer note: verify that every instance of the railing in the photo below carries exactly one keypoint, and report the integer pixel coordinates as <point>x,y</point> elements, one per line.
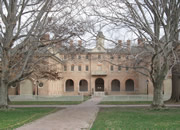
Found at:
<point>99,94</point>
<point>45,98</point>
<point>131,98</point>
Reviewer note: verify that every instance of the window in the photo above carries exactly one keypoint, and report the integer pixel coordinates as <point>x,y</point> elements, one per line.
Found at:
<point>127,57</point>
<point>119,68</point>
<point>83,85</point>
<point>112,57</point>
<point>99,56</point>
<point>87,57</point>
<point>115,85</point>
<point>112,67</point>
<point>65,57</point>
<point>65,68</point>
<point>79,57</point>
<point>69,85</point>
<point>127,68</point>
<point>14,85</point>
<point>119,57</point>
<point>87,67</point>
<point>99,67</point>
<point>129,85</point>
<point>79,68</point>
<point>41,84</point>
<point>72,67</point>
<point>72,57</point>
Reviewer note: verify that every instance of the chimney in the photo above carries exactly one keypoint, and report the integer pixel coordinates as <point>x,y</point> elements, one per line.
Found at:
<point>45,37</point>
<point>141,42</point>
<point>120,43</point>
<point>79,43</point>
<point>71,43</point>
<point>128,45</point>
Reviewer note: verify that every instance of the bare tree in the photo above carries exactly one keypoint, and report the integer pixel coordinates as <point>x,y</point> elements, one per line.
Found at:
<point>23,25</point>
<point>158,23</point>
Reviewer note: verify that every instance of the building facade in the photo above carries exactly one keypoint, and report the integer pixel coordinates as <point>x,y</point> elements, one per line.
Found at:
<point>89,71</point>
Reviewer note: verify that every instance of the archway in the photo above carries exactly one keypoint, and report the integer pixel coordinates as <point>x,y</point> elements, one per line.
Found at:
<point>115,85</point>
<point>83,85</point>
<point>69,85</point>
<point>99,84</point>
<point>26,87</point>
<point>129,85</point>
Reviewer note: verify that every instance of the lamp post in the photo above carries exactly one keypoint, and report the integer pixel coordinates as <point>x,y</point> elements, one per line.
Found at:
<point>37,82</point>
<point>147,81</point>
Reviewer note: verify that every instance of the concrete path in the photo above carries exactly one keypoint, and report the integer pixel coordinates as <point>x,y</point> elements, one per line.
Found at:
<point>76,117</point>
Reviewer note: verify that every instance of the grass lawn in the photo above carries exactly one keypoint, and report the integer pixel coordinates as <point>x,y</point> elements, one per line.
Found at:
<point>48,102</point>
<point>124,102</point>
<point>13,118</point>
<point>136,118</point>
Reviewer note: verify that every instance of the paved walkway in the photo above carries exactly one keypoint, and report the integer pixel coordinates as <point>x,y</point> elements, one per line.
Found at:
<point>76,117</point>
<point>73,117</point>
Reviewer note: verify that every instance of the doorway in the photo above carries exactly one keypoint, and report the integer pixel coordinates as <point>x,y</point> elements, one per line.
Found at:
<point>99,85</point>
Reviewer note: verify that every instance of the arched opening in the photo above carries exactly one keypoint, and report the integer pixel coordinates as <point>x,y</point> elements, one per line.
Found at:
<point>83,86</point>
<point>115,85</point>
<point>129,85</point>
<point>69,85</point>
<point>26,87</point>
<point>99,84</point>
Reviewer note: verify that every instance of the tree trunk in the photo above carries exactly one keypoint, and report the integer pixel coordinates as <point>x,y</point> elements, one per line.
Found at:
<point>175,96</point>
<point>3,95</point>
<point>158,96</point>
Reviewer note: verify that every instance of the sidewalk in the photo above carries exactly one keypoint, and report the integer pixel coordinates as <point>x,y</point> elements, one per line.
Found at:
<point>75,117</point>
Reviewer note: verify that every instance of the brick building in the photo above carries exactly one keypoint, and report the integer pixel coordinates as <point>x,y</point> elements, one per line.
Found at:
<point>88,71</point>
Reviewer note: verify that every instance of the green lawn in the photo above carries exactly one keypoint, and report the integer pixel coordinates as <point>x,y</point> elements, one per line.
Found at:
<point>13,118</point>
<point>124,102</point>
<point>136,118</point>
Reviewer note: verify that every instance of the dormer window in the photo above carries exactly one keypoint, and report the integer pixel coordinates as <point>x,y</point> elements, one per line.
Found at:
<point>99,56</point>
<point>65,57</point>
<point>72,57</point>
<point>111,57</point>
<point>119,57</point>
<point>127,57</point>
<point>79,57</point>
<point>87,57</point>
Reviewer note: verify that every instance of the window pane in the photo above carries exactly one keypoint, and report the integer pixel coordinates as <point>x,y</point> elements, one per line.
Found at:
<point>87,57</point>
<point>99,56</point>
<point>119,57</point>
<point>112,68</point>
<point>72,68</point>
<point>127,68</point>
<point>79,68</point>
<point>119,68</point>
<point>65,68</point>
<point>72,57</point>
<point>112,57</point>
<point>65,57</point>
<point>87,67</point>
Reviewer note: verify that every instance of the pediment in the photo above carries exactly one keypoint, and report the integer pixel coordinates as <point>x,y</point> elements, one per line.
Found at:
<point>99,48</point>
